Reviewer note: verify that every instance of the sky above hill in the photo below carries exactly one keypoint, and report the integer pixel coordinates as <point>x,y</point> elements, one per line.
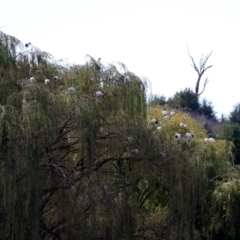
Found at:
<point>149,36</point>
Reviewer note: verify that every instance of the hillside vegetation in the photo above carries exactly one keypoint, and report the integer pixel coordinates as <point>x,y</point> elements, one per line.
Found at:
<point>75,165</point>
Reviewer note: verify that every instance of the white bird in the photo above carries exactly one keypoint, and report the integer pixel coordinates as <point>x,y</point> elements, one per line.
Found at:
<point>166,117</point>
<point>135,151</point>
<point>182,125</point>
<point>55,78</point>
<point>32,79</point>
<point>164,113</point>
<point>172,113</point>
<point>189,135</point>
<point>27,45</point>
<point>47,81</point>
<point>99,94</point>
<point>153,121</point>
<point>129,139</point>
<point>71,89</point>
<point>177,136</point>
<point>127,79</point>
<point>209,140</point>
<point>159,128</point>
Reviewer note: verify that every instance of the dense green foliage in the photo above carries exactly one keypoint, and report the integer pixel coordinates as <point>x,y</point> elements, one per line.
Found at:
<point>185,99</point>
<point>78,166</point>
<point>157,100</point>
<point>231,131</point>
<point>207,109</point>
<point>235,114</point>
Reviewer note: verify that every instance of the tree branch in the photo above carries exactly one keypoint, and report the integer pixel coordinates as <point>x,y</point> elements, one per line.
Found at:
<point>201,70</point>
<point>205,84</point>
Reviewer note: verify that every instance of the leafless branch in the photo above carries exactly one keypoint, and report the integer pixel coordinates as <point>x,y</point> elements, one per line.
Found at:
<point>205,84</point>
<point>200,71</point>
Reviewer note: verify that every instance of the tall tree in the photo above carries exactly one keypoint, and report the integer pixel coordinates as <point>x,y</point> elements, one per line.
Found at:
<point>200,71</point>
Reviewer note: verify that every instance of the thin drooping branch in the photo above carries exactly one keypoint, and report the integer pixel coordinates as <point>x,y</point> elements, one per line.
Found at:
<point>200,71</point>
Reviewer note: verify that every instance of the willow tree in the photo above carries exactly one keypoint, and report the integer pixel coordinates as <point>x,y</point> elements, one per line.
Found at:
<point>55,143</point>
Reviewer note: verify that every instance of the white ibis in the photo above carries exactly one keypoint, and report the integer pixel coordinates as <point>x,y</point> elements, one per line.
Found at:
<point>166,117</point>
<point>32,79</point>
<point>71,89</point>
<point>183,125</point>
<point>209,140</point>
<point>55,78</point>
<point>172,113</point>
<point>27,44</point>
<point>177,136</point>
<point>189,136</point>
<point>99,94</point>
<point>164,113</point>
<point>153,121</point>
<point>135,151</point>
<point>47,81</point>
<point>206,140</point>
<point>127,79</point>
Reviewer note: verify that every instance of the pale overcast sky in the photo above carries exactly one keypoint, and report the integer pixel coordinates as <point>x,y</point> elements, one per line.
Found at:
<point>148,36</point>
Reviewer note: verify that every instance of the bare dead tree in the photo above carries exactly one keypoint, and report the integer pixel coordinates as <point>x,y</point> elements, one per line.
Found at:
<point>200,71</point>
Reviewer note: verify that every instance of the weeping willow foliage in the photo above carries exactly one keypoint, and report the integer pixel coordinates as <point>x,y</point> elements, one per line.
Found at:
<point>77,166</point>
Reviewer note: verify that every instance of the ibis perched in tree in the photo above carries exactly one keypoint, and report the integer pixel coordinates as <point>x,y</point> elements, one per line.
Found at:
<point>177,136</point>
<point>166,117</point>
<point>153,121</point>
<point>99,94</point>
<point>71,89</point>
<point>32,79</point>
<point>209,140</point>
<point>188,136</point>
<point>27,44</point>
<point>127,79</point>
<point>164,113</point>
<point>182,125</point>
<point>47,81</point>
<point>135,151</point>
<point>55,78</point>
